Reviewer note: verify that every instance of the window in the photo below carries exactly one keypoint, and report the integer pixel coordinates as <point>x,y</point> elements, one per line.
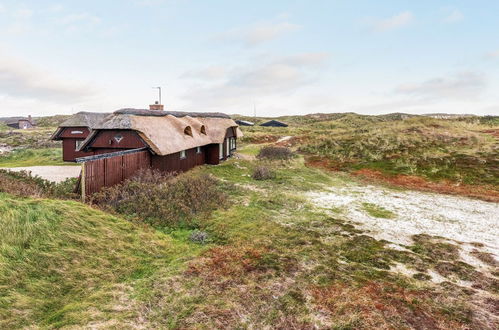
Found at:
<point>227,151</point>
<point>188,130</point>
<point>232,143</point>
<point>78,144</point>
<point>221,151</point>
<point>198,150</point>
<point>203,129</point>
<point>118,138</point>
<point>182,154</point>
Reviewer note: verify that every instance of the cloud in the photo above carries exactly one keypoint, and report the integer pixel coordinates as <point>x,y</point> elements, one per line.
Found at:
<point>461,86</point>
<point>259,33</point>
<point>494,54</point>
<point>19,79</point>
<point>81,18</point>
<point>209,73</point>
<point>260,78</point>
<point>395,22</point>
<point>453,16</point>
<point>23,13</point>
<point>78,22</point>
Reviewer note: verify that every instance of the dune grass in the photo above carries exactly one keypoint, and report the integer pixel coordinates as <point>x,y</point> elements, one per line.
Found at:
<point>33,157</point>
<point>65,264</point>
<point>377,211</point>
<point>273,261</point>
<point>457,150</point>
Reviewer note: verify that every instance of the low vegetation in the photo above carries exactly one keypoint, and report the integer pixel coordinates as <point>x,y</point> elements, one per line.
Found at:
<point>275,153</point>
<point>222,248</point>
<point>32,157</point>
<point>457,155</point>
<point>30,138</point>
<point>263,173</point>
<point>64,264</point>
<point>377,211</point>
<point>23,184</point>
<point>164,200</point>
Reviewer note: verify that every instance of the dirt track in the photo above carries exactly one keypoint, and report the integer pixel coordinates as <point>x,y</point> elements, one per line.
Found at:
<point>51,173</point>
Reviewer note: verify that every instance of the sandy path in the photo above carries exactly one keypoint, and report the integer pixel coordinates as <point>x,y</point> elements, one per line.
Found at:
<point>51,173</point>
<point>456,218</point>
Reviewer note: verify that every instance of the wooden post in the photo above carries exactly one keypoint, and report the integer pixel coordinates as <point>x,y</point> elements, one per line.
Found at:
<point>83,185</point>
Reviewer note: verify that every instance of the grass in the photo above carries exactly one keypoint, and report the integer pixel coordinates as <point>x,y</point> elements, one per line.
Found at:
<point>275,261</point>
<point>65,264</point>
<point>29,138</point>
<point>272,260</point>
<point>33,157</point>
<point>456,150</point>
<point>377,211</point>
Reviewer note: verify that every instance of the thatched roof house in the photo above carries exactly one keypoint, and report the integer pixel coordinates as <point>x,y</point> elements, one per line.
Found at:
<point>167,132</point>
<point>163,133</point>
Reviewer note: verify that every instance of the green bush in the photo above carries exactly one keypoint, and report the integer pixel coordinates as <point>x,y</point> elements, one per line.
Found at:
<point>275,153</point>
<point>23,184</point>
<point>263,173</point>
<point>164,200</point>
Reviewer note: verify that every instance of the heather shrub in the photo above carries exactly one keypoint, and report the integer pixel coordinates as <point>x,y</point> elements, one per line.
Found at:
<point>198,236</point>
<point>164,200</point>
<point>263,173</point>
<point>275,153</point>
<point>19,184</point>
<point>26,185</point>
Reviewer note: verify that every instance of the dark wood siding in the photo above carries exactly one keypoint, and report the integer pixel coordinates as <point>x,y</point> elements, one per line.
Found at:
<point>211,152</point>
<point>117,139</point>
<point>173,162</point>
<point>110,171</point>
<point>75,132</point>
<point>69,137</point>
<point>69,153</point>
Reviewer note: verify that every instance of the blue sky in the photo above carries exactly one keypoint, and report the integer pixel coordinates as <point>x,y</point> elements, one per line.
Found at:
<point>284,57</point>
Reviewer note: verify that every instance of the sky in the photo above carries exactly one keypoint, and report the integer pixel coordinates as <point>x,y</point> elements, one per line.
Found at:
<point>279,57</point>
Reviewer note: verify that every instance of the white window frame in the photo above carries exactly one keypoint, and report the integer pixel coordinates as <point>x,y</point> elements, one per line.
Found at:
<point>198,150</point>
<point>78,143</point>
<point>227,145</point>
<point>220,151</point>
<point>183,154</point>
<point>232,143</point>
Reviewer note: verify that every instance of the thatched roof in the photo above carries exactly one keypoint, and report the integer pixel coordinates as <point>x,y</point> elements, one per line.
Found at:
<point>167,132</point>
<point>179,114</point>
<point>81,119</point>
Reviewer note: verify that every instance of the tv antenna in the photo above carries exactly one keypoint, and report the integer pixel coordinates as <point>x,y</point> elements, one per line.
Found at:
<point>159,90</point>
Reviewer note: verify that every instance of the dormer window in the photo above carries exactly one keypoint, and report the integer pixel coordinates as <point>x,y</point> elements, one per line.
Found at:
<point>203,130</point>
<point>188,131</point>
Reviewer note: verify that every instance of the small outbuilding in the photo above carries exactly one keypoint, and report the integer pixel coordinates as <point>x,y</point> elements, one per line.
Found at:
<point>244,123</point>
<point>274,123</point>
<point>21,123</point>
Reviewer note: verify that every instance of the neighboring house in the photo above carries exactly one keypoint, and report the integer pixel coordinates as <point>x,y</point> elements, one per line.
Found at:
<point>244,123</point>
<point>274,123</point>
<point>74,131</point>
<point>21,123</point>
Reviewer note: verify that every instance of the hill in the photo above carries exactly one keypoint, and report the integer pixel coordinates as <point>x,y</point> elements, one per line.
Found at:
<point>65,264</point>
<point>397,147</point>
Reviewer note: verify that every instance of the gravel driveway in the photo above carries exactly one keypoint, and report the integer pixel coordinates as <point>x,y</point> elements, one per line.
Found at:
<point>51,173</point>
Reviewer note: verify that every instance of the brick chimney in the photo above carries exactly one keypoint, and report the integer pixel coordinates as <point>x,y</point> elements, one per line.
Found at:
<point>156,106</point>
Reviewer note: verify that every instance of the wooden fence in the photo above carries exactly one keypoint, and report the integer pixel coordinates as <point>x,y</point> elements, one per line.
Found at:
<point>109,169</point>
